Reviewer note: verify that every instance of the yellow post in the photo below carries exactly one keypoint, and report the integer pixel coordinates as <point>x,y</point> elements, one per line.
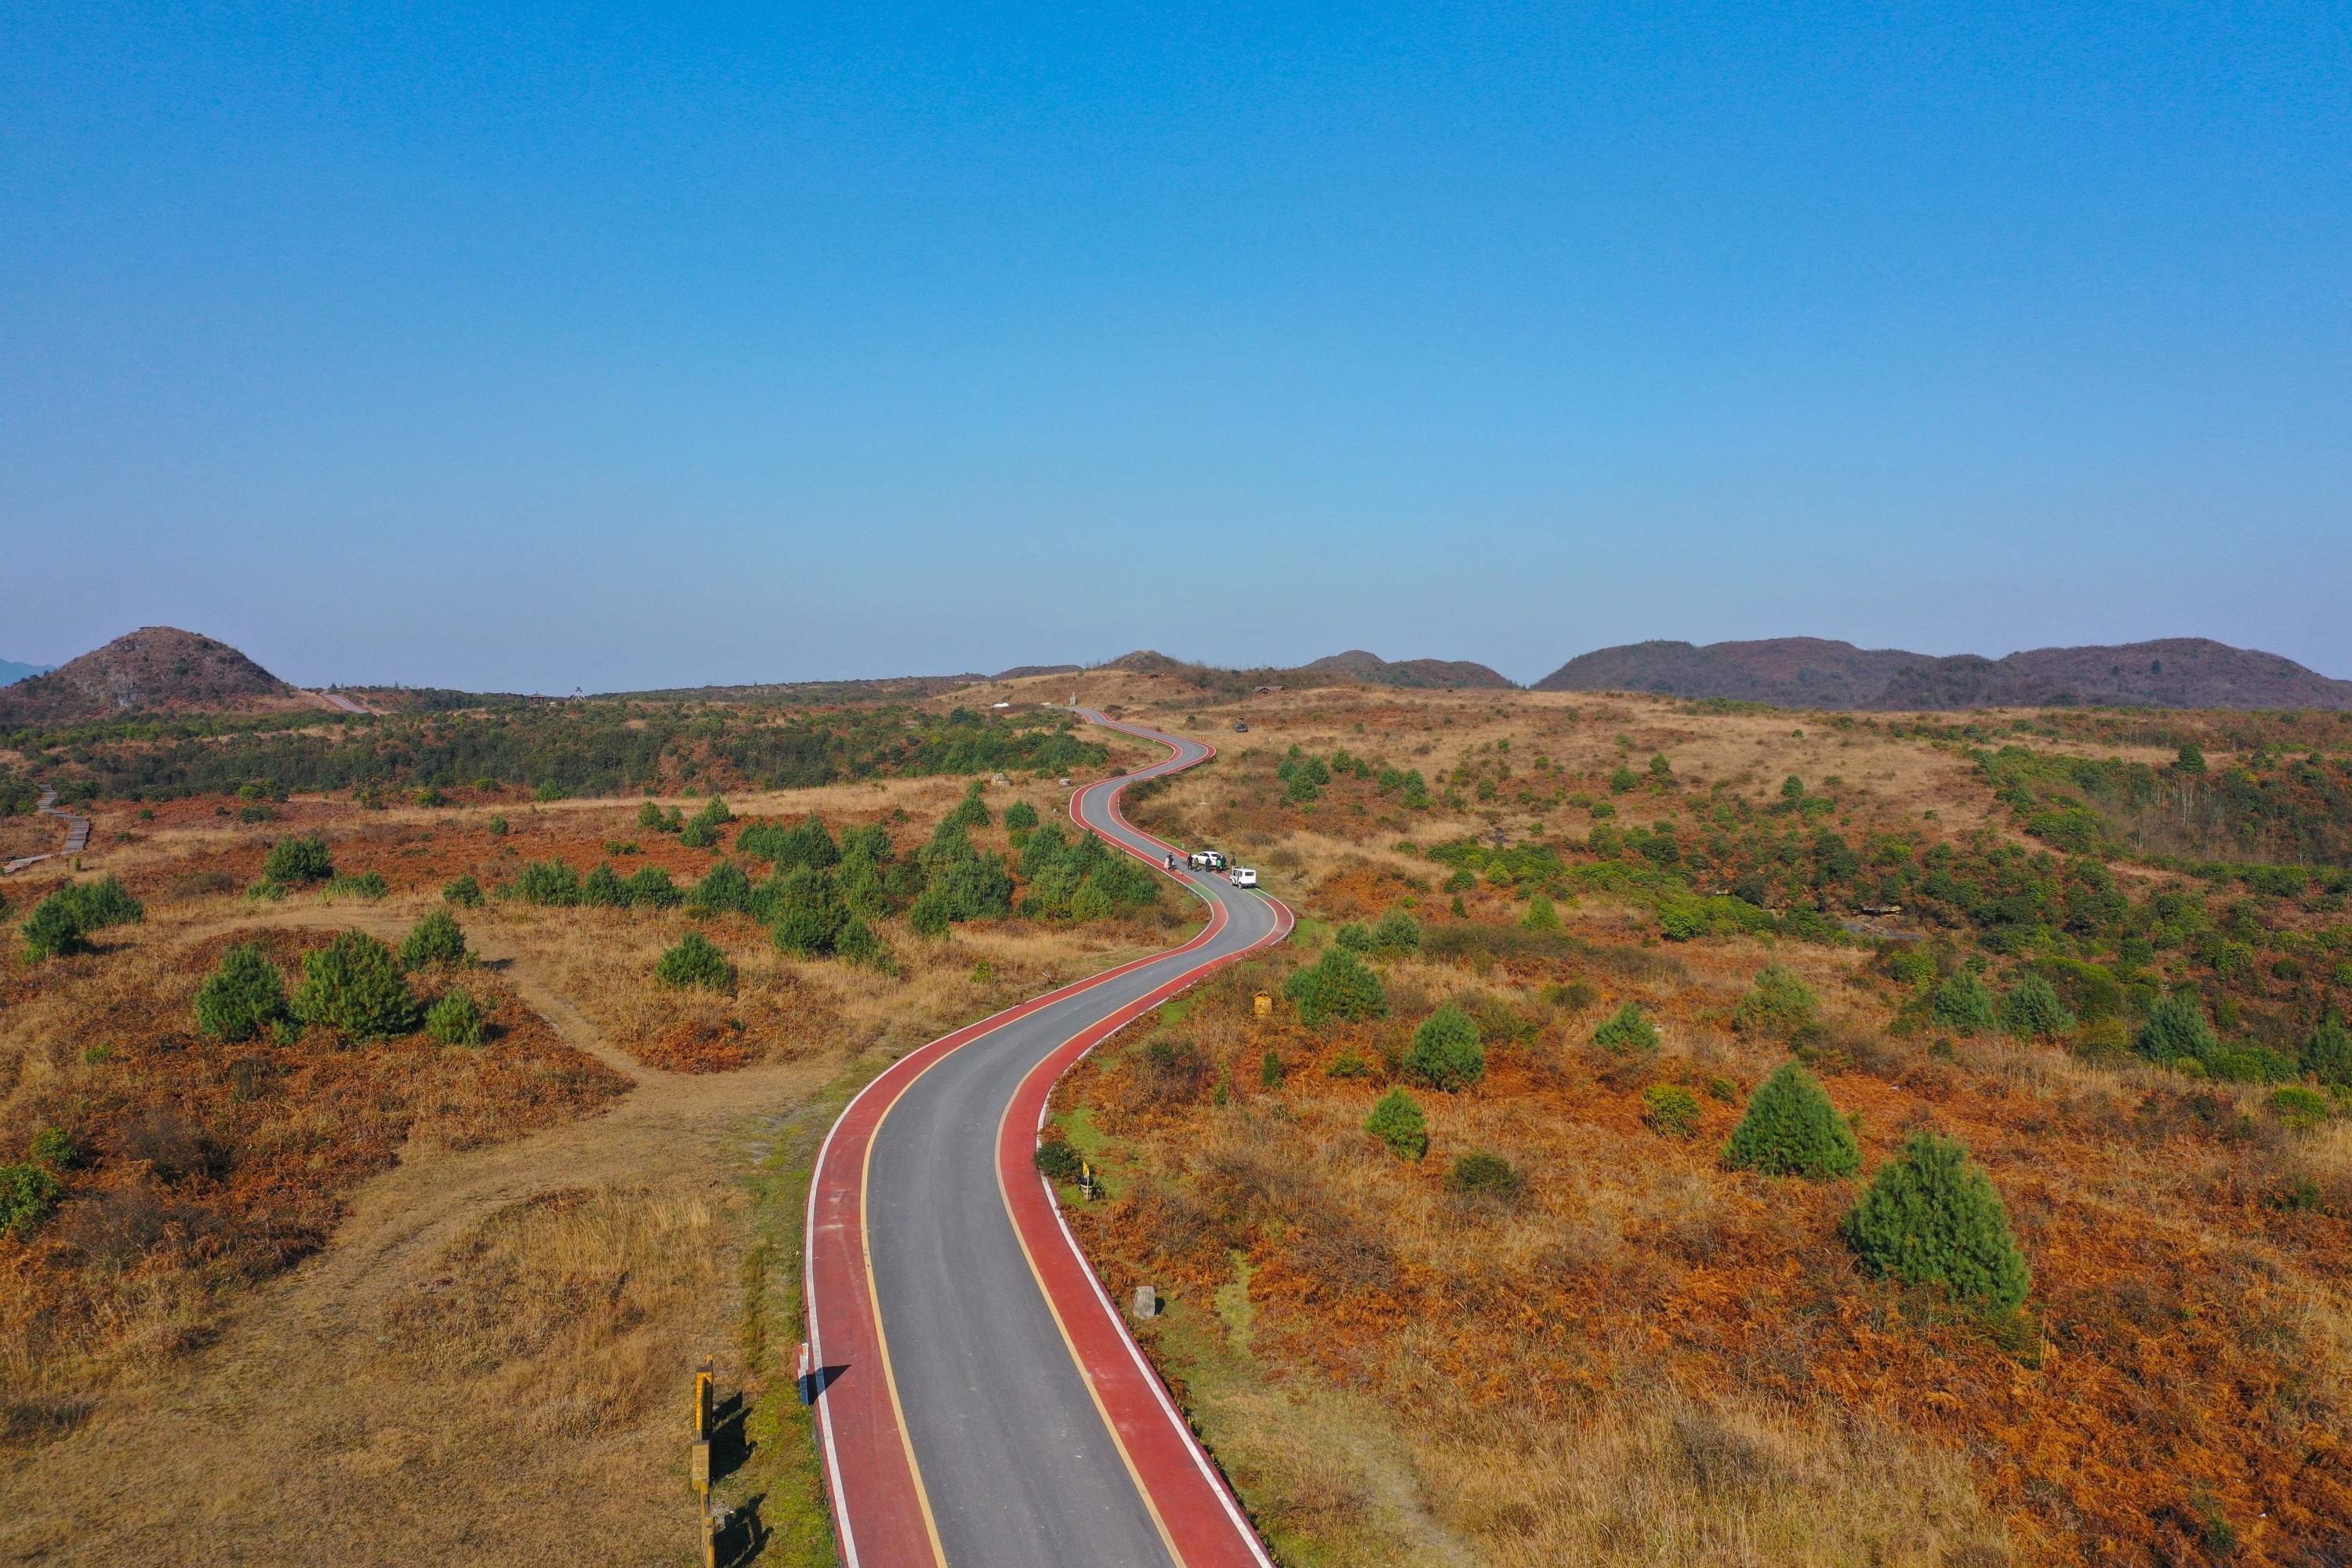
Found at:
<point>701,1469</point>
<point>702,1396</point>
<point>710,1541</point>
<point>1265,1004</point>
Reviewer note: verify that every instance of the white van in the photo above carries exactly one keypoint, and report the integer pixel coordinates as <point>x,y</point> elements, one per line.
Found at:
<point>1243,877</point>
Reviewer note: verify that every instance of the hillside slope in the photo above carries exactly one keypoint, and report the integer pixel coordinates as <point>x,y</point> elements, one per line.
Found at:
<point>152,667</point>
<point>1814,672</point>
<point>1425,674</point>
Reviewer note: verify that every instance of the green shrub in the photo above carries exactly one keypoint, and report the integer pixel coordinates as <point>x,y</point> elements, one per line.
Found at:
<point>698,834</point>
<point>1337,985</point>
<point>2328,1055</point>
<point>355,985</point>
<point>430,797</point>
<point>1397,932</point>
<point>803,932</point>
<point>457,1019</point>
<point>2251,1064</point>
<point>696,960</point>
<point>546,882</point>
<point>265,888</point>
<point>242,997</point>
<point>1781,1007</point>
<point>550,790</point>
<point>1628,1031</point>
<point>2176,1031</point>
<point>437,939</point>
<point>1792,1130</point>
<point>464,891</point>
<point>1623,780</point>
<point>858,944</point>
<point>2299,1108</point>
<point>55,930</point>
<point>1270,1070</point>
<point>496,828</point>
<point>972,810</point>
<point>1481,1174</point>
<point>1355,937</point>
<point>1932,1216</point>
<point>1058,1162</point>
<point>651,888</point>
<point>2034,1011</point>
<point>103,903</point>
<point>650,818</point>
<point>603,888</point>
<point>1398,1122</point>
<point>931,913</point>
<point>1542,914</point>
<point>303,859</point>
<point>28,1194</point>
<point>726,889</point>
<point>1445,1052</point>
<point>1020,815</point>
<point>1963,1004</point>
<point>1672,1109</point>
<point>56,1148</point>
<point>368,885</point>
<point>1347,1064</point>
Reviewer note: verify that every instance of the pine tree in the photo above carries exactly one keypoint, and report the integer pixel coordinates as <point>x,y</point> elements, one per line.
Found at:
<point>1337,985</point>
<point>55,929</point>
<point>1932,1216</point>
<point>2034,1011</point>
<point>1445,1052</point>
<point>695,961</point>
<point>726,889</point>
<point>244,996</point>
<point>457,1019</point>
<point>437,939</point>
<point>2328,1055</point>
<point>603,888</point>
<point>1627,1031</point>
<point>1792,1130</point>
<point>355,985</point>
<point>1020,815</point>
<point>1964,1003</point>
<point>2175,1028</point>
<point>1542,914</point>
<point>1397,1121</point>
<point>304,859</point>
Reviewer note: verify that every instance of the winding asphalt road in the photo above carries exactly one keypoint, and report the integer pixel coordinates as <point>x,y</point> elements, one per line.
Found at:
<point>982,1403</point>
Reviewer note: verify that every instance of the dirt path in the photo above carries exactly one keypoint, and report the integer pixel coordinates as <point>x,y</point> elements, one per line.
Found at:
<point>76,835</point>
<point>298,1438</point>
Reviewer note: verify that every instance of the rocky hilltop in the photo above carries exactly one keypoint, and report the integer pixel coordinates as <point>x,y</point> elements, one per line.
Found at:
<point>1812,672</point>
<point>1433,674</point>
<point>151,669</point>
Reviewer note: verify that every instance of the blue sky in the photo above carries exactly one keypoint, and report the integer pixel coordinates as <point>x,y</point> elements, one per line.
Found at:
<point>535,347</point>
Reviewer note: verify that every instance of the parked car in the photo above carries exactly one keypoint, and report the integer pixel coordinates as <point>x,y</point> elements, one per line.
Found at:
<point>1243,877</point>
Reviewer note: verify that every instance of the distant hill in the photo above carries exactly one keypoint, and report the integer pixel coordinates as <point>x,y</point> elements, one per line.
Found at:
<point>1019,671</point>
<point>151,669</point>
<point>1438,673</point>
<point>810,693</point>
<point>12,672</point>
<point>1809,672</point>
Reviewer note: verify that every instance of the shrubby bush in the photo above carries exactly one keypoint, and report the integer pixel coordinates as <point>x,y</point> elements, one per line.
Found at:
<point>242,997</point>
<point>1337,985</point>
<point>457,1019</point>
<point>972,810</point>
<point>355,985</point>
<point>1446,1053</point>
<point>1397,932</point>
<point>1481,1174</point>
<point>549,883</point>
<point>725,889</point>
<point>1397,1121</point>
<point>464,891</point>
<point>1080,877</point>
<point>695,961</point>
<point>1963,1004</point>
<point>1932,1216</point>
<point>1792,1130</point>
<point>1671,1109</point>
<point>28,1195</point>
<point>1627,1031</point>
<point>2298,1108</point>
<point>2175,1030</point>
<point>436,941</point>
<point>603,888</point>
<point>363,885</point>
<point>1781,1007</point>
<point>55,930</point>
<point>2034,1011</point>
<point>1542,914</point>
<point>2328,1055</point>
<point>1019,815</point>
<point>302,859</point>
<point>651,888</point>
